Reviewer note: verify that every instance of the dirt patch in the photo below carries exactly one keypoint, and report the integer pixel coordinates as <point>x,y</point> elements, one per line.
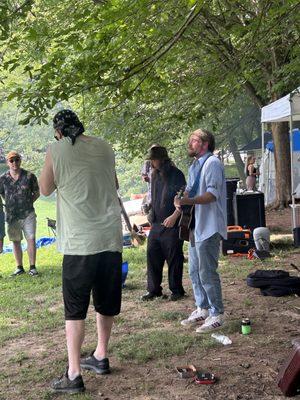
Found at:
<point>279,220</point>
<point>247,369</point>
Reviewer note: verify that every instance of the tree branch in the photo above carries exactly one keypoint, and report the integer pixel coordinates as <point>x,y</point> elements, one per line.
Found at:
<point>154,57</point>
<point>130,93</point>
<point>165,47</point>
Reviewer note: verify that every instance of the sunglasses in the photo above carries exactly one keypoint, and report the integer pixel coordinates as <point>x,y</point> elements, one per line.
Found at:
<point>56,138</point>
<point>15,159</point>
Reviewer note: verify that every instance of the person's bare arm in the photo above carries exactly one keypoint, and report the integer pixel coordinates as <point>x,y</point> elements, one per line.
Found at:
<point>170,221</point>
<point>47,185</point>
<point>205,198</point>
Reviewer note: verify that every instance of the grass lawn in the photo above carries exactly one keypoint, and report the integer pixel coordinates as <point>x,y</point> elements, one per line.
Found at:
<point>148,340</point>
<point>231,171</point>
<point>44,207</point>
<point>26,305</point>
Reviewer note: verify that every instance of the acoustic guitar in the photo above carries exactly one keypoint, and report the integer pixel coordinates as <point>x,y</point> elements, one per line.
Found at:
<point>187,219</point>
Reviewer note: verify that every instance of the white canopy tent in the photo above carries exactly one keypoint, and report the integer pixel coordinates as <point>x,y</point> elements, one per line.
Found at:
<point>286,109</point>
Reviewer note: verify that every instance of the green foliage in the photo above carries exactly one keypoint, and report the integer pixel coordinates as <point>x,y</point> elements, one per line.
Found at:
<point>143,72</point>
<point>10,13</point>
<point>3,168</point>
<point>146,72</point>
<point>30,141</point>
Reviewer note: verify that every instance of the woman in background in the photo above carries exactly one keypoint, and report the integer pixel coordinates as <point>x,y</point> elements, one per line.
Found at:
<point>251,173</point>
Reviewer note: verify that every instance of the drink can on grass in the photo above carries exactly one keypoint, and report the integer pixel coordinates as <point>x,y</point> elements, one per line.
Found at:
<point>246,326</point>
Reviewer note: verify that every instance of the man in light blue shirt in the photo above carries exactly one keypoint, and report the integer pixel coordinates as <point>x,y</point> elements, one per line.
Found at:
<point>206,190</point>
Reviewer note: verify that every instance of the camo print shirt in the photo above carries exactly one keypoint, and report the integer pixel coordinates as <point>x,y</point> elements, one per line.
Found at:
<point>18,195</point>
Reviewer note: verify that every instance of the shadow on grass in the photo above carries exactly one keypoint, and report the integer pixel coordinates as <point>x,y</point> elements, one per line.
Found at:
<point>280,230</point>
<point>131,286</point>
<point>284,243</point>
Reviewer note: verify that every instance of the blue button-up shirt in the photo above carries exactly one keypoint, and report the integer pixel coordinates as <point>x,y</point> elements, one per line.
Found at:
<point>212,217</point>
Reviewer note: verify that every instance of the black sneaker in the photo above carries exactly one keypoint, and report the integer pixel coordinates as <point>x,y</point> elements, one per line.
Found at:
<point>99,366</point>
<point>176,296</point>
<point>33,272</point>
<point>65,385</point>
<point>18,271</point>
<point>150,296</point>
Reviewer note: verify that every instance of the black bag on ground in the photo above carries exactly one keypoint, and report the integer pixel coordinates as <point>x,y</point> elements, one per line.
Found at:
<point>267,277</point>
<point>279,291</point>
<point>275,283</point>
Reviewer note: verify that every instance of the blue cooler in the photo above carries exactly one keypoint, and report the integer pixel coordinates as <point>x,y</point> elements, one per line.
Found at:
<point>124,272</point>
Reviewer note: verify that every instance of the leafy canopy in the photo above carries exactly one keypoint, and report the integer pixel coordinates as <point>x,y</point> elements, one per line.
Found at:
<point>146,71</point>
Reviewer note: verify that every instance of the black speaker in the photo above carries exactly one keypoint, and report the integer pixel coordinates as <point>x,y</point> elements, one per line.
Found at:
<point>250,210</point>
<point>231,185</point>
<point>296,234</point>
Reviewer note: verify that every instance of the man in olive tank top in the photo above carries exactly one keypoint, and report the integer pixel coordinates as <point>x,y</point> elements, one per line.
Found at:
<point>89,234</point>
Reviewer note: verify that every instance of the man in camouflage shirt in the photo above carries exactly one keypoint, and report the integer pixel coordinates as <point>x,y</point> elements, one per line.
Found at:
<point>19,189</point>
<point>2,226</point>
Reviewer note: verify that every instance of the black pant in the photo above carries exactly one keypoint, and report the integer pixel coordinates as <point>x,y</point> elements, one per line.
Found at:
<point>164,245</point>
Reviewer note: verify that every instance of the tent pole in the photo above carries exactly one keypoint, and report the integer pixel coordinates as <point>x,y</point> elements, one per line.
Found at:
<point>292,164</point>
<point>262,156</point>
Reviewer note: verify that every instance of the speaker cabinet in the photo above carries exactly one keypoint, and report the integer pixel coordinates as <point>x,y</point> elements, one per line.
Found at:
<point>250,210</point>
<point>231,185</point>
<point>296,234</point>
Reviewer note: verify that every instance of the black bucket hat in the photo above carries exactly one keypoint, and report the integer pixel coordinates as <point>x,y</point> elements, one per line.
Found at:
<point>157,153</point>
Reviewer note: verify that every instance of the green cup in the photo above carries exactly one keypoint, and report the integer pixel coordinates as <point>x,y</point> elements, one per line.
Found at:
<point>246,326</point>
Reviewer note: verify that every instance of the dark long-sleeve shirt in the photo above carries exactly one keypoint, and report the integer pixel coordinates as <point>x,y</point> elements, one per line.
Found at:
<point>163,193</point>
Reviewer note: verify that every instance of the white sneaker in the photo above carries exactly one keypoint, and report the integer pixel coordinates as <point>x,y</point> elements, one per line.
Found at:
<point>211,323</point>
<point>198,315</point>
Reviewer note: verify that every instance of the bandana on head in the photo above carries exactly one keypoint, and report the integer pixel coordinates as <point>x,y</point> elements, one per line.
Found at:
<point>68,123</point>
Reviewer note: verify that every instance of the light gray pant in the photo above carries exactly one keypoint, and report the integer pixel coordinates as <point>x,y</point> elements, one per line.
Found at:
<point>203,264</point>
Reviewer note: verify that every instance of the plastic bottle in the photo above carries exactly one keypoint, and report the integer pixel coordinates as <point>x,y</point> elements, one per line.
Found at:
<point>221,338</point>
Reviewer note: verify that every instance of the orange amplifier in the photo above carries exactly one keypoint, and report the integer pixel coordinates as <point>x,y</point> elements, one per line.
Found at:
<point>239,240</point>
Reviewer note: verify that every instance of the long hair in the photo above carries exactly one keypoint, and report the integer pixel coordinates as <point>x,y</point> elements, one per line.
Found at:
<point>164,171</point>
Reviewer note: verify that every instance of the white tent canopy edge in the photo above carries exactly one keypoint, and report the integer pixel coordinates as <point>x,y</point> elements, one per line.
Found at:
<point>286,109</point>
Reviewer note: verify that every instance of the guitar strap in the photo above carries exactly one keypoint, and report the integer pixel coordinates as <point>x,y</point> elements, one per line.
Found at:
<point>193,192</point>
<point>194,189</point>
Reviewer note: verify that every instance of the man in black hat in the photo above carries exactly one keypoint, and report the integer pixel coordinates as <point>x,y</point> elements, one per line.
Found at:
<point>163,241</point>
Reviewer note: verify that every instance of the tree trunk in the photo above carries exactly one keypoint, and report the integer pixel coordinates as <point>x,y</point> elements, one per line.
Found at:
<point>280,132</point>
<point>237,158</point>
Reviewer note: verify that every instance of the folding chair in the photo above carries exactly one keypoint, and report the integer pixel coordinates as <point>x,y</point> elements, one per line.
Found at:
<point>51,223</point>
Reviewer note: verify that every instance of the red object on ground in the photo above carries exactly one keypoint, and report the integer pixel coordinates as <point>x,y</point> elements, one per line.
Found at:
<point>205,378</point>
<point>289,374</point>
